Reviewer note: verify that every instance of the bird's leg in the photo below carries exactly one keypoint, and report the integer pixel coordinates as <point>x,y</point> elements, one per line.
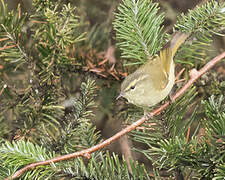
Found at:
<point>147,113</point>
<point>172,92</point>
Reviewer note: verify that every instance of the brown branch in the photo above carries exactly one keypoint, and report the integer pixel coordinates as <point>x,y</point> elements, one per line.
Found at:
<point>3,39</point>
<point>8,47</point>
<point>87,152</point>
<point>188,134</point>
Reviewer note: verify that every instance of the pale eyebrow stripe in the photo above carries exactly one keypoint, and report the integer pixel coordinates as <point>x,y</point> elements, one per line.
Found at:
<point>135,81</point>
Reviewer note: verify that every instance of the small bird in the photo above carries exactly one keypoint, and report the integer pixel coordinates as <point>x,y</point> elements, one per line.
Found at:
<point>153,81</point>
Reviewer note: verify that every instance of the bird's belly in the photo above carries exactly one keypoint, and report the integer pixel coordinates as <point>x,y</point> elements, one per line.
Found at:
<point>149,99</point>
<point>152,97</point>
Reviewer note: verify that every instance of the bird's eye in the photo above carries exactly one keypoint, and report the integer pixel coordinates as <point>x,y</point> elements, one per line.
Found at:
<point>132,87</point>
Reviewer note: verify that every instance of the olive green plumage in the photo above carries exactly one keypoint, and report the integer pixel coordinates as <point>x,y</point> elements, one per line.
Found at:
<point>153,81</point>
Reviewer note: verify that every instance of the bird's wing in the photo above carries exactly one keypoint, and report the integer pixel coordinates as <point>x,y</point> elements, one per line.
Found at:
<point>157,72</point>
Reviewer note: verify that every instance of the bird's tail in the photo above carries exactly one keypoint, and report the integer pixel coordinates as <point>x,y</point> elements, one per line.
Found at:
<point>168,52</point>
<point>177,40</point>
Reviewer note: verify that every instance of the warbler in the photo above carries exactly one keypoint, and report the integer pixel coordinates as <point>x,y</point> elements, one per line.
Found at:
<point>153,81</point>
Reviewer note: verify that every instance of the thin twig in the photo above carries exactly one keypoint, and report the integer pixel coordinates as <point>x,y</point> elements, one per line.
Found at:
<point>179,74</point>
<point>188,134</point>
<point>2,90</point>
<point>8,47</point>
<point>87,152</point>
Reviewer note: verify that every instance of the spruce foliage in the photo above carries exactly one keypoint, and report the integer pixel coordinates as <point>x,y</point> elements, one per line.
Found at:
<point>139,29</point>
<point>44,114</point>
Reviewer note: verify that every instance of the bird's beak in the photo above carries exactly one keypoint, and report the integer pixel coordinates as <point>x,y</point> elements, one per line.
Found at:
<point>120,95</point>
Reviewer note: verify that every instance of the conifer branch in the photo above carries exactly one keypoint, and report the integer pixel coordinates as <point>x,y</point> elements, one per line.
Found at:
<point>87,152</point>
<point>203,19</point>
<point>139,29</point>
